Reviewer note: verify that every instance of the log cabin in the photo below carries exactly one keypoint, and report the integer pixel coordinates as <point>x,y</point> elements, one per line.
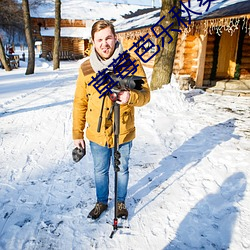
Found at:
<point>74,37</point>
<point>213,49</point>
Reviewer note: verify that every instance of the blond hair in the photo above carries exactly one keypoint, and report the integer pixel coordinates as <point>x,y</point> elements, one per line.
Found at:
<point>100,25</point>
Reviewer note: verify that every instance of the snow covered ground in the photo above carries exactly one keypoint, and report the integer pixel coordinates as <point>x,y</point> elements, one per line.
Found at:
<point>189,170</point>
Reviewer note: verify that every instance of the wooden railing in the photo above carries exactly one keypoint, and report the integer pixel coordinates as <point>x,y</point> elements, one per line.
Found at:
<point>64,55</point>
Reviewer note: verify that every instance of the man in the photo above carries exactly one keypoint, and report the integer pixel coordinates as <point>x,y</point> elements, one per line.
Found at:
<point>87,106</point>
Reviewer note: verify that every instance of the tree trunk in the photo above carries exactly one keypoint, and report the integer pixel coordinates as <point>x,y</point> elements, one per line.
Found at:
<point>3,57</point>
<point>56,59</point>
<point>164,59</point>
<point>29,38</point>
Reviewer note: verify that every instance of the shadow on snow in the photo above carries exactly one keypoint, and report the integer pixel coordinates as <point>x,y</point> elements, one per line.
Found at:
<point>209,215</point>
<point>190,153</point>
<point>23,110</point>
<point>209,225</point>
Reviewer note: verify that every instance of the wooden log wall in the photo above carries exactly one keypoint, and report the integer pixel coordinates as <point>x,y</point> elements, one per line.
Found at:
<point>209,57</point>
<point>190,54</point>
<point>66,44</point>
<point>178,61</point>
<point>73,45</point>
<point>187,50</point>
<point>47,45</point>
<point>245,61</point>
<point>50,22</point>
<point>79,46</point>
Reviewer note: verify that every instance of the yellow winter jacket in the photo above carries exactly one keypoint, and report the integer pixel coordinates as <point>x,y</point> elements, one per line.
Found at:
<point>87,108</point>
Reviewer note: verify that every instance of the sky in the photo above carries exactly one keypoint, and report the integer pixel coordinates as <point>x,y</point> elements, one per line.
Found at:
<point>189,169</point>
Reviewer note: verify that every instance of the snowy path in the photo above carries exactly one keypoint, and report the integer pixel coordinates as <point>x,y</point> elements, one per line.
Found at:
<point>189,171</point>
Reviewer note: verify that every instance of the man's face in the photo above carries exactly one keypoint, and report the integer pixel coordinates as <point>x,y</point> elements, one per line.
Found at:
<point>104,42</point>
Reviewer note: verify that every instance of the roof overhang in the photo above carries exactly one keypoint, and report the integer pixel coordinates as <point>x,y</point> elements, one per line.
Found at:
<point>73,32</point>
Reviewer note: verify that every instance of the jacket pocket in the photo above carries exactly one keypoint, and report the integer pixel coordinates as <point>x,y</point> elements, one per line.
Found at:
<point>127,120</point>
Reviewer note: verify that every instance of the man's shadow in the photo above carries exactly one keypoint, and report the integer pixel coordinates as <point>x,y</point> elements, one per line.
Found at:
<point>187,155</point>
<point>210,223</point>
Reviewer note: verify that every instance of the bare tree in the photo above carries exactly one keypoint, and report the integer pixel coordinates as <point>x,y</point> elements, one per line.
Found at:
<point>3,57</point>
<point>11,24</point>
<point>28,33</point>
<point>164,60</point>
<point>56,59</point>
<point>11,16</point>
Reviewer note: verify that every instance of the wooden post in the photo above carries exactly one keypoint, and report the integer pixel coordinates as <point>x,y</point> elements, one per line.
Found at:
<point>201,60</point>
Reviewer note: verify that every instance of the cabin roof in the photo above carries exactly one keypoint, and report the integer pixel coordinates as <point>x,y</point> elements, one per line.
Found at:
<point>217,9</point>
<point>137,22</point>
<point>236,9</point>
<point>77,32</point>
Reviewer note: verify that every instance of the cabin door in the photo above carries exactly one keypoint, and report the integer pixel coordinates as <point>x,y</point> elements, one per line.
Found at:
<point>227,55</point>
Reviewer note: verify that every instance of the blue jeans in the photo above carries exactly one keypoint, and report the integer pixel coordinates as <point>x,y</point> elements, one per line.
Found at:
<point>102,158</point>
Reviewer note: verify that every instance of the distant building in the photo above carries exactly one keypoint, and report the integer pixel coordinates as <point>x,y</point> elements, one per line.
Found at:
<point>77,18</point>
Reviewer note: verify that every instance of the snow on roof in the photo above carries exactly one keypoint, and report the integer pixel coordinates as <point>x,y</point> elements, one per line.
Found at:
<point>227,8</point>
<point>218,7</point>
<point>137,22</point>
<point>80,32</point>
<point>85,10</point>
